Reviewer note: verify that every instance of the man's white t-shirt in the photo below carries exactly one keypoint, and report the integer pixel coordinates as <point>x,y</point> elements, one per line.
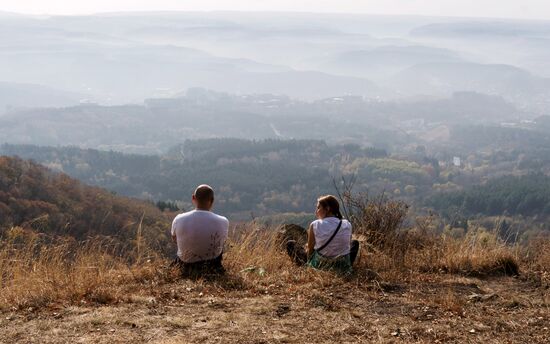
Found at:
<point>200,235</point>
<point>323,230</point>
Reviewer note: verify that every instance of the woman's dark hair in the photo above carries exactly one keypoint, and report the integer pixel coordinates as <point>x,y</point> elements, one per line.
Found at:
<point>332,205</point>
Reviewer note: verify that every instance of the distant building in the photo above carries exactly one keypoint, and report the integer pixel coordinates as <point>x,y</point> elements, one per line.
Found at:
<point>456,161</point>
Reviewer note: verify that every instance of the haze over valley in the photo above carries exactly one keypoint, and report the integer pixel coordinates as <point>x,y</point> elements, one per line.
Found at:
<point>447,100</point>
<point>432,133</point>
<point>124,58</point>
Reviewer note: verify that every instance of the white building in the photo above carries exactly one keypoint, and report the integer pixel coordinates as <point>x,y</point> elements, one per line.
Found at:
<point>456,161</point>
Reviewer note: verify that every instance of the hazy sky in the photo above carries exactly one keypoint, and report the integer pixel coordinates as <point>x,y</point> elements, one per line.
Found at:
<point>468,8</point>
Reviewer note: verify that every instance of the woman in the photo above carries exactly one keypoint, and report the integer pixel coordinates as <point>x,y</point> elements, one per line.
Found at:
<point>329,244</point>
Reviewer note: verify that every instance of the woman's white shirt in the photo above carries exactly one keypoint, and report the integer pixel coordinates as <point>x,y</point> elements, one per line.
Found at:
<point>323,230</point>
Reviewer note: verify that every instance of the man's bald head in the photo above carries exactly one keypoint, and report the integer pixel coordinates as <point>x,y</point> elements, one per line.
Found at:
<point>203,196</point>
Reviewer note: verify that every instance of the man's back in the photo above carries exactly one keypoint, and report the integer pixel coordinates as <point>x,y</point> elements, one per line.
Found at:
<point>200,235</point>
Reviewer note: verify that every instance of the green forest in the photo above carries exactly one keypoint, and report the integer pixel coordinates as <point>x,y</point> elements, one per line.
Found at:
<point>281,179</point>
<point>527,195</point>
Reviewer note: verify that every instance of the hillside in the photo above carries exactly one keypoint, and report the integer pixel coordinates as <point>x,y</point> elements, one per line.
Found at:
<point>161,123</point>
<point>525,195</point>
<point>412,283</point>
<point>421,288</point>
<point>34,200</point>
<point>513,84</point>
<point>16,95</point>
<point>266,177</point>
<point>380,62</point>
<point>262,177</point>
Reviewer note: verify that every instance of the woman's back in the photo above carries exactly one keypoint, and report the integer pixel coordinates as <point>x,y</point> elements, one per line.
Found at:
<point>324,228</point>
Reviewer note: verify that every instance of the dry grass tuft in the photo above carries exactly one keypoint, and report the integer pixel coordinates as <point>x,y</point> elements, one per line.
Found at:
<point>539,254</point>
<point>478,255</point>
<point>450,301</point>
<point>34,274</point>
<point>536,258</point>
<point>378,220</point>
<point>396,252</point>
<point>252,247</point>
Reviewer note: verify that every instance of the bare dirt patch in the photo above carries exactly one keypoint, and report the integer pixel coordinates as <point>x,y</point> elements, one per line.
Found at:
<point>437,308</point>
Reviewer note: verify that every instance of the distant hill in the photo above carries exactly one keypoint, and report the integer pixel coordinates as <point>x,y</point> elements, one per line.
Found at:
<point>17,95</point>
<point>384,61</point>
<point>512,83</point>
<point>543,122</point>
<point>485,28</point>
<point>121,58</point>
<point>522,43</point>
<point>38,200</point>
<point>116,68</point>
<point>161,123</point>
<point>463,107</point>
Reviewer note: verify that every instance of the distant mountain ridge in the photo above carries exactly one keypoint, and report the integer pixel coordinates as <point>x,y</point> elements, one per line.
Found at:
<point>382,62</point>
<point>18,95</point>
<point>488,27</point>
<point>119,67</point>
<point>512,83</point>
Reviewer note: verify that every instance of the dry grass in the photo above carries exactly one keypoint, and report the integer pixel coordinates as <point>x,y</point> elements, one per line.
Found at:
<point>450,301</point>
<point>378,220</point>
<point>538,254</point>
<point>536,259</point>
<point>51,293</point>
<point>34,275</point>
<point>481,254</point>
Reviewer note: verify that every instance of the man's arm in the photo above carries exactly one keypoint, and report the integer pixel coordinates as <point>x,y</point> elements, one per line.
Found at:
<point>173,231</point>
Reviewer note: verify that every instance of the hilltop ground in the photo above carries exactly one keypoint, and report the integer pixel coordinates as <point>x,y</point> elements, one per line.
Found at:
<point>263,298</point>
<point>437,308</point>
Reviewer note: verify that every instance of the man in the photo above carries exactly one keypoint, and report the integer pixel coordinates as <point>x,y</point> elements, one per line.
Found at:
<point>200,235</point>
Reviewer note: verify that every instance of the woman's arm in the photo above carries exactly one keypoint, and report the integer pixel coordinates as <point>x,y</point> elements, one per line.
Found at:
<point>310,240</point>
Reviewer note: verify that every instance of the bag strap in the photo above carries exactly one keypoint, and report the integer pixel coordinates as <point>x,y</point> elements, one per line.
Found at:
<point>332,237</point>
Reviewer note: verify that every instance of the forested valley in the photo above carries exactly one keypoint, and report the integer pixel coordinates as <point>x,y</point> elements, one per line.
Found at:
<point>279,180</point>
